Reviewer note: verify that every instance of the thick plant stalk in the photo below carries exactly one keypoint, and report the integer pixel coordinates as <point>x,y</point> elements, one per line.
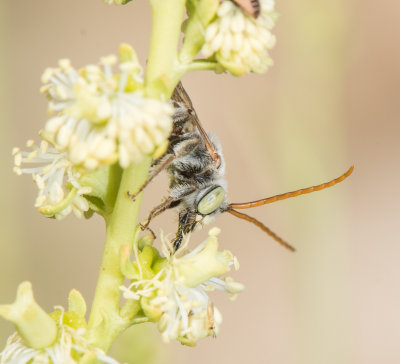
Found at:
<point>120,231</point>
<point>159,83</point>
<point>161,76</point>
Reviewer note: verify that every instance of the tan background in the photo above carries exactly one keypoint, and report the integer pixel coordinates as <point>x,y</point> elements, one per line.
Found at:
<point>331,100</point>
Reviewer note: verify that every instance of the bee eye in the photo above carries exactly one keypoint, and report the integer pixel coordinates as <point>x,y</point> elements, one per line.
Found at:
<point>211,201</point>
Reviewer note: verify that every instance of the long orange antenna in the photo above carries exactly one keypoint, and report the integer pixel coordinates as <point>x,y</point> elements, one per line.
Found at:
<point>278,239</point>
<point>283,196</point>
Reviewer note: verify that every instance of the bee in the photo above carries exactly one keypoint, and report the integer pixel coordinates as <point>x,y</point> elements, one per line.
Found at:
<point>250,7</point>
<point>211,320</point>
<point>195,164</point>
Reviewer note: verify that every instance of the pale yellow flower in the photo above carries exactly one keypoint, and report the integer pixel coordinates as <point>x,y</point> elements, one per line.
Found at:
<point>41,339</point>
<point>56,178</point>
<point>69,348</point>
<point>101,117</point>
<point>239,42</point>
<point>176,297</point>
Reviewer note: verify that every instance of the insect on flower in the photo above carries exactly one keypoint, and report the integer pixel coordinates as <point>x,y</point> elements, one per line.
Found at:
<point>196,167</point>
<point>251,7</point>
<point>210,318</point>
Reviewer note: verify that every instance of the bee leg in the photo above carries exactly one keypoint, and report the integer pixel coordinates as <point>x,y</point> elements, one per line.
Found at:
<point>148,229</point>
<point>180,150</point>
<point>164,163</point>
<point>186,225</point>
<point>178,241</point>
<point>157,211</point>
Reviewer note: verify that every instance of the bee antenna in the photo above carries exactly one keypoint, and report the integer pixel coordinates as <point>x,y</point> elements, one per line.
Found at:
<point>283,196</point>
<point>267,230</point>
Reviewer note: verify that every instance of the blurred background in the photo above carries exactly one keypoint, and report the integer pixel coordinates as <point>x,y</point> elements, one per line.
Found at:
<point>330,101</point>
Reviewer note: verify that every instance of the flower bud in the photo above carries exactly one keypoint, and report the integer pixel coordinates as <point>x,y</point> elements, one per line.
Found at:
<point>209,262</point>
<point>36,328</point>
<point>146,240</point>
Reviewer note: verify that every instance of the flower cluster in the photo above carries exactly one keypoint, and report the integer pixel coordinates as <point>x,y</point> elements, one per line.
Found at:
<point>58,338</point>
<point>69,348</point>
<point>175,295</point>
<point>239,42</point>
<point>56,178</point>
<point>101,117</point>
<point>98,118</point>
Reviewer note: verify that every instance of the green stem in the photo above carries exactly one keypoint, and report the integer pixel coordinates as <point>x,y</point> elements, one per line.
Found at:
<point>105,322</point>
<point>201,13</point>
<point>202,65</point>
<point>163,72</point>
<point>50,210</point>
<point>161,76</point>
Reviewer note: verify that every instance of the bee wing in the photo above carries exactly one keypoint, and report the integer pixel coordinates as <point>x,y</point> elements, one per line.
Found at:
<point>181,97</point>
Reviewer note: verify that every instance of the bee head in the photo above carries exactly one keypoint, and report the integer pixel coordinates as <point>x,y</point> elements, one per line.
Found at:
<point>210,204</point>
<point>211,200</point>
